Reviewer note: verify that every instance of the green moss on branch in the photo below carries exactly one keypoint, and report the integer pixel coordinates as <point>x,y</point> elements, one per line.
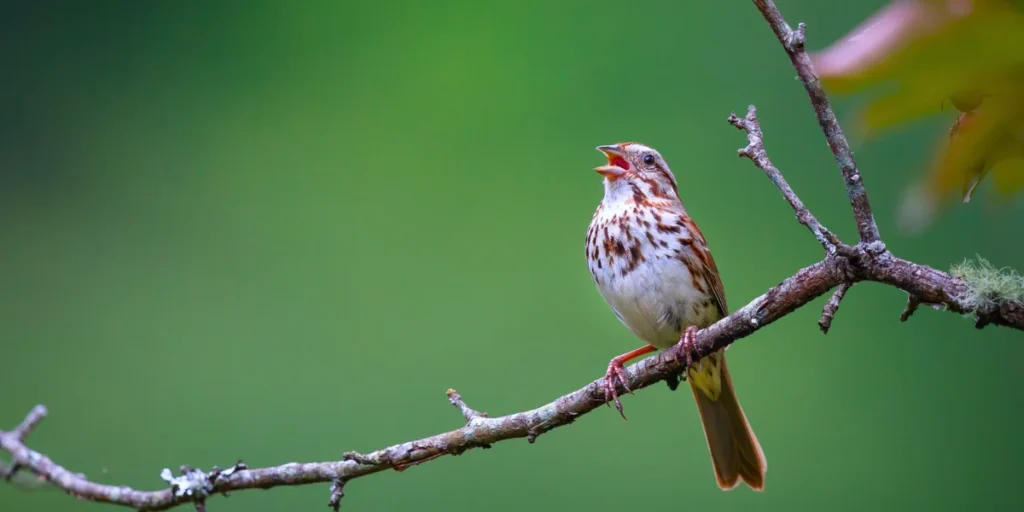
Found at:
<point>988,286</point>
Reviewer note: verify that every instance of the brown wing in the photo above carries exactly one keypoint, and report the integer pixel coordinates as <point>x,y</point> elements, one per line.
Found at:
<point>716,285</point>
<point>708,266</point>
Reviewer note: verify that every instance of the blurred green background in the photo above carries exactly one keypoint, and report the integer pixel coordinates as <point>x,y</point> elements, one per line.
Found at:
<point>278,231</point>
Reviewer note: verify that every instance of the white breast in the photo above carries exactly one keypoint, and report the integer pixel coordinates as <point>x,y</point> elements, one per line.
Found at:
<point>634,255</point>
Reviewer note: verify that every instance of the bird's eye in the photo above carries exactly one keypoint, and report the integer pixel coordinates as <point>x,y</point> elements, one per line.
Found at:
<point>648,159</point>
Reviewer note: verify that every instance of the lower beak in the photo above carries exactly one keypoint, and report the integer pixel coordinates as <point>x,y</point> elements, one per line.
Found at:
<point>611,172</point>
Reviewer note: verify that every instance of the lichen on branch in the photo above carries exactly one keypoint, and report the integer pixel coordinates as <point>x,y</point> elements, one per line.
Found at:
<point>988,286</point>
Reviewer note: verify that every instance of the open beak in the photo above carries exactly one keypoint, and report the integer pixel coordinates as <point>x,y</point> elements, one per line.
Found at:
<point>616,159</point>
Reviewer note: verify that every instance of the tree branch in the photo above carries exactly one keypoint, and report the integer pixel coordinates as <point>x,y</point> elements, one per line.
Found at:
<point>793,42</point>
<point>831,307</point>
<point>842,266</point>
<point>479,431</point>
<point>756,152</point>
<point>807,284</point>
<point>912,304</point>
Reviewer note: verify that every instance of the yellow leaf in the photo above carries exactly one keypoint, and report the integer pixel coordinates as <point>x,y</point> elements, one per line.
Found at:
<point>922,54</point>
<point>987,141</point>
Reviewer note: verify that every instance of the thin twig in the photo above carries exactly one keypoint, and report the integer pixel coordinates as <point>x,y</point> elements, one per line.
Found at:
<point>912,303</point>
<point>7,471</point>
<point>21,432</point>
<point>756,152</point>
<point>793,42</point>
<point>337,493</point>
<point>456,399</point>
<point>30,422</point>
<point>831,307</point>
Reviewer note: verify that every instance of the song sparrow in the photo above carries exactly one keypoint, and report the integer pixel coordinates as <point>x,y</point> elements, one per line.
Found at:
<point>653,267</point>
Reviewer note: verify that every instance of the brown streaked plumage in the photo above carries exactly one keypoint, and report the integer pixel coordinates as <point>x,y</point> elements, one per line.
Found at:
<point>658,276</point>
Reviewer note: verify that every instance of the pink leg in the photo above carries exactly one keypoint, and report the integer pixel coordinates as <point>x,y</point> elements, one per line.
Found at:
<point>616,371</point>
<point>687,342</point>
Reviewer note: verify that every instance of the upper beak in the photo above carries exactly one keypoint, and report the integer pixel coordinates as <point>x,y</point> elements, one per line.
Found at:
<point>610,171</point>
<point>611,151</point>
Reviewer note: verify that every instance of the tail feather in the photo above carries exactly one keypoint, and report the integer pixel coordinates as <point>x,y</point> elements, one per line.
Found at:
<point>735,453</point>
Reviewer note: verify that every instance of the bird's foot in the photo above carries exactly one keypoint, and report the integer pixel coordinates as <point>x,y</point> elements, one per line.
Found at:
<point>688,342</point>
<point>617,372</point>
<point>611,394</point>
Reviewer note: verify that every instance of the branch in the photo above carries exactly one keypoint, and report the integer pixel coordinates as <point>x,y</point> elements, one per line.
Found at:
<point>479,431</point>
<point>912,304</point>
<point>456,399</point>
<point>7,471</point>
<point>793,42</point>
<point>831,307</point>
<point>756,153</point>
<point>194,486</point>
<point>842,266</point>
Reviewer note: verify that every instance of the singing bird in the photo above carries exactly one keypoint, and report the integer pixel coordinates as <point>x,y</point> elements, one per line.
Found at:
<point>653,267</point>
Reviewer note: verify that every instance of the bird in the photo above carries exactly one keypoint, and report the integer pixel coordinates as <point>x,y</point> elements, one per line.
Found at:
<point>652,266</point>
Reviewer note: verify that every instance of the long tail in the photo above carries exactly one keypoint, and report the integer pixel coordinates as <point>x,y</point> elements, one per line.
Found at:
<point>735,452</point>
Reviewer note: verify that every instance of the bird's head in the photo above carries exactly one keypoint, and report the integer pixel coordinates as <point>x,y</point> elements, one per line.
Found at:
<point>637,171</point>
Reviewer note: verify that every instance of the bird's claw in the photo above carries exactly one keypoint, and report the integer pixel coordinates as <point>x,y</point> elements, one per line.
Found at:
<point>615,371</point>
<point>688,342</point>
